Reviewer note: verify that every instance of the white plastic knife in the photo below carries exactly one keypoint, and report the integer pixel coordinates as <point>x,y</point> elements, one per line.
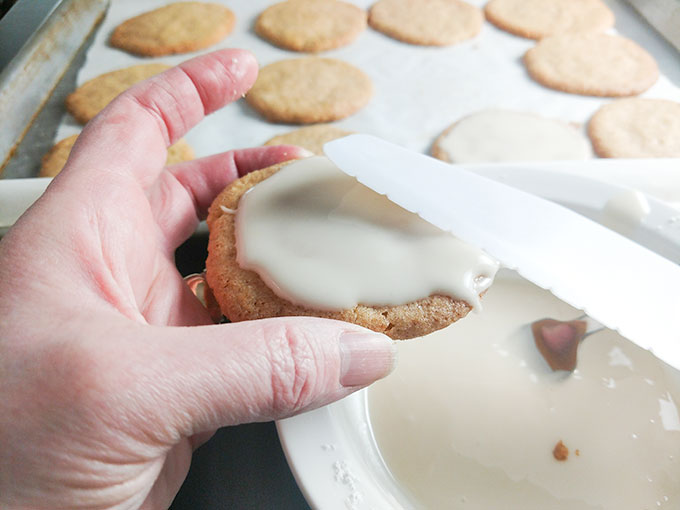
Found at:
<point>614,280</point>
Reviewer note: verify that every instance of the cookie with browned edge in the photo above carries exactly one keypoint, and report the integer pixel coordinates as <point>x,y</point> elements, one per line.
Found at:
<point>592,65</point>
<point>311,138</point>
<point>93,95</point>
<point>536,19</point>
<point>309,90</point>
<point>636,128</point>
<point>55,159</point>
<point>242,295</point>
<point>311,25</point>
<point>426,22</point>
<point>180,27</point>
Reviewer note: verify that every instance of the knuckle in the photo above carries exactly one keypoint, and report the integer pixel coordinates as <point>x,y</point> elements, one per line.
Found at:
<point>296,370</point>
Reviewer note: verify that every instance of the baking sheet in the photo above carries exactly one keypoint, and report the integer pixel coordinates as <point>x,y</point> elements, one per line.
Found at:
<point>38,43</point>
<point>663,15</point>
<point>419,91</point>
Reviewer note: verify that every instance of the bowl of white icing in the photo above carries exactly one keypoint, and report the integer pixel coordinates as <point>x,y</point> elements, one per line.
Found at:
<point>473,417</point>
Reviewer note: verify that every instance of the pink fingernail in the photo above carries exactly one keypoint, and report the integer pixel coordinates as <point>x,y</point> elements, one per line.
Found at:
<point>365,357</point>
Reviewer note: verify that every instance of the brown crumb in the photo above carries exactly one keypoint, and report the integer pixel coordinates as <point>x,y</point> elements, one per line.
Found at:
<point>577,452</point>
<point>561,452</point>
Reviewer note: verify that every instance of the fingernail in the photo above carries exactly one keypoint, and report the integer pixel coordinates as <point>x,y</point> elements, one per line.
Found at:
<point>365,357</point>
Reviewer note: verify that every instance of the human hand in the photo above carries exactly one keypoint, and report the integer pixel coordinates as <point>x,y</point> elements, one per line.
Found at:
<point>110,372</point>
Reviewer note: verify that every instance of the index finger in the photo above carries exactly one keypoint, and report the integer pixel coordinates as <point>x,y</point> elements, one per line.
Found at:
<point>131,134</point>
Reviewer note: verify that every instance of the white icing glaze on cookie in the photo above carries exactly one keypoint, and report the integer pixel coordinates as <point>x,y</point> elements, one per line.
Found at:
<point>500,135</point>
<point>319,238</point>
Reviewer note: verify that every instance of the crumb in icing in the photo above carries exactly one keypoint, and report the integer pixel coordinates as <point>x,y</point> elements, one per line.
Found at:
<point>558,341</point>
<point>561,452</point>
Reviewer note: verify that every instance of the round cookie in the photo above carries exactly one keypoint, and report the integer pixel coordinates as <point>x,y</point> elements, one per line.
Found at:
<point>309,90</point>
<point>426,22</point>
<point>93,95</point>
<point>311,138</point>
<point>242,295</point>
<point>636,128</point>
<point>502,135</point>
<point>311,25</point>
<point>175,28</point>
<point>55,159</point>
<point>536,19</point>
<point>592,65</point>
<point>179,152</point>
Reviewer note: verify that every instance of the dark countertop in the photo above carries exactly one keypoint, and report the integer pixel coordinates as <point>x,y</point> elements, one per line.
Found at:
<point>241,467</point>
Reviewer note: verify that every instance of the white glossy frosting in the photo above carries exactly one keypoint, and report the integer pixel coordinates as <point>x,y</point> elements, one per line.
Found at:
<point>625,211</point>
<point>500,135</point>
<point>471,415</point>
<point>319,238</point>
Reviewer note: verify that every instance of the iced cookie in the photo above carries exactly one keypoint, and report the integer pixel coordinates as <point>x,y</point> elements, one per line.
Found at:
<point>311,138</point>
<point>636,128</point>
<point>426,22</point>
<point>55,159</point>
<point>502,135</point>
<point>536,19</point>
<point>309,90</point>
<point>175,28</point>
<point>592,65</point>
<point>93,95</point>
<point>311,25</point>
<point>309,240</point>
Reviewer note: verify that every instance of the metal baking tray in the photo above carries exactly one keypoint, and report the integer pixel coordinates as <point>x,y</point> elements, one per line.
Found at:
<point>42,45</point>
<point>663,15</point>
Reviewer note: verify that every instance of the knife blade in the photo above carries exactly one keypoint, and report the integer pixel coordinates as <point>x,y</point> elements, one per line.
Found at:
<point>624,286</point>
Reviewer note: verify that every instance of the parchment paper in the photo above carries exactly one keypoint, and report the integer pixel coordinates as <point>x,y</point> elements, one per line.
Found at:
<point>419,91</point>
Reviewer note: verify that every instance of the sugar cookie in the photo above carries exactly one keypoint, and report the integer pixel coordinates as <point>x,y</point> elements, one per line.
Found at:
<point>536,19</point>
<point>55,159</point>
<point>311,138</point>
<point>311,25</point>
<point>636,128</point>
<point>243,295</point>
<point>175,28</point>
<point>592,65</point>
<point>502,135</point>
<point>92,96</point>
<point>309,90</point>
<point>426,22</point>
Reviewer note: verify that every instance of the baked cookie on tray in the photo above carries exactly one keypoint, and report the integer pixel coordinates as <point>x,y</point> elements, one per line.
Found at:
<point>311,138</point>
<point>178,27</point>
<point>56,158</point>
<point>301,196</point>
<point>592,65</point>
<point>93,95</point>
<point>309,90</point>
<point>426,22</point>
<point>311,25</point>
<point>536,19</point>
<point>636,128</point>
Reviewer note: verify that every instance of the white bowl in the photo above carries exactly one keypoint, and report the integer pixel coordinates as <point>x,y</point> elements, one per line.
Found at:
<point>332,452</point>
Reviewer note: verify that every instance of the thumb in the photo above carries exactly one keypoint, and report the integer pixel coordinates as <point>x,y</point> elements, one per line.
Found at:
<point>212,376</point>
